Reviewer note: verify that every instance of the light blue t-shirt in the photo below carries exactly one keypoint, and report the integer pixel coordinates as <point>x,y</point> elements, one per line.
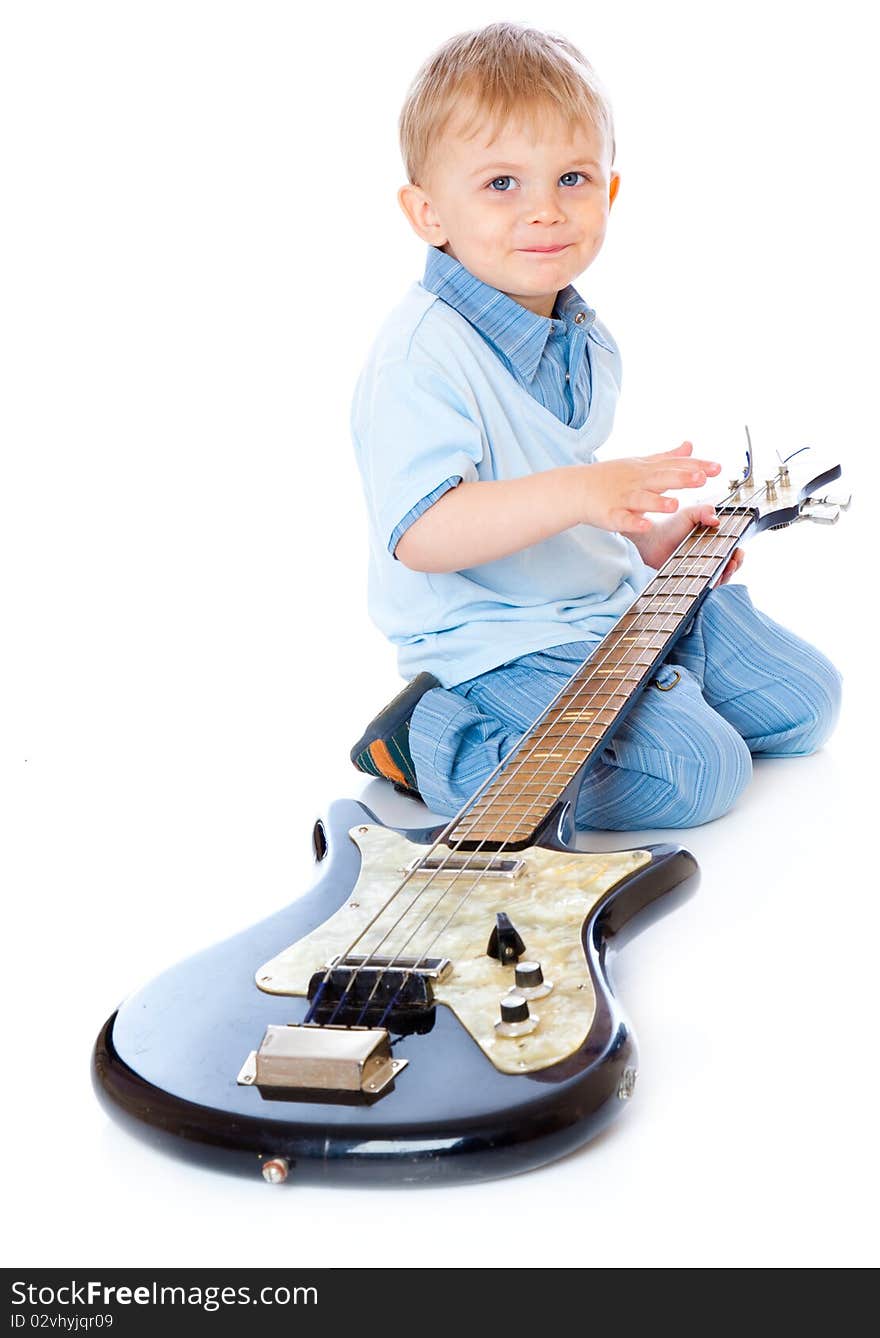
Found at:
<point>438,401</point>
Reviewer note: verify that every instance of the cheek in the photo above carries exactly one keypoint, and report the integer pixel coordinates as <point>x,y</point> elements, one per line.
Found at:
<point>487,226</point>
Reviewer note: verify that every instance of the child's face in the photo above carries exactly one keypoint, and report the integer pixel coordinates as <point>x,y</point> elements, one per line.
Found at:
<point>489,206</point>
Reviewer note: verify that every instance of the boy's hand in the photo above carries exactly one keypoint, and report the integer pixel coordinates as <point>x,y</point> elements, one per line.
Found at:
<point>660,543</point>
<point>617,493</point>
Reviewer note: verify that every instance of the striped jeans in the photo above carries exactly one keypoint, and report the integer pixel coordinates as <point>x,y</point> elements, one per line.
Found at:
<point>681,757</point>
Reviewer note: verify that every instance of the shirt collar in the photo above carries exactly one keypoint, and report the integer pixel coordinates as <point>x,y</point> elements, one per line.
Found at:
<point>516,332</point>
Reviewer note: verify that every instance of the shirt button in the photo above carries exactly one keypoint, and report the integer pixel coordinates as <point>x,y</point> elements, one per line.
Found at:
<point>567,377</point>
<point>580,317</point>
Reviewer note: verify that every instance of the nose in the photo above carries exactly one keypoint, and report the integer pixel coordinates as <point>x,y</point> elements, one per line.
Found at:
<point>545,206</point>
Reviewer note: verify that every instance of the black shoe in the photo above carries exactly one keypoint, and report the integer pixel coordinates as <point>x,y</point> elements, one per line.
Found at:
<point>384,748</point>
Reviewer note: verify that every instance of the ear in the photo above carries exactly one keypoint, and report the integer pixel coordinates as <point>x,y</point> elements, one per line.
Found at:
<point>421,214</point>
<point>613,188</point>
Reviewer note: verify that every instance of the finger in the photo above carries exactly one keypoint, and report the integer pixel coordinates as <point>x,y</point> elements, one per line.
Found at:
<point>702,515</point>
<point>688,474</point>
<point>682,467</point>
<point>645,500</point>
<point>630,522</point>
<point>733,565</point>
<point>684,449</point>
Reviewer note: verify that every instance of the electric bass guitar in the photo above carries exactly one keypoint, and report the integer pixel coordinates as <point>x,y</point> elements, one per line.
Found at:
<point>437,1007</point>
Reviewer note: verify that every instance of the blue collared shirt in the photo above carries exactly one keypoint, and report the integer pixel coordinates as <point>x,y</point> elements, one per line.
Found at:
<point>545,354</point>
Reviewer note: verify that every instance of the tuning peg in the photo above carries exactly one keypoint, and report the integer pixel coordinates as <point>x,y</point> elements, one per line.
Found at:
<point>784,476</point>
<point>829,501</point>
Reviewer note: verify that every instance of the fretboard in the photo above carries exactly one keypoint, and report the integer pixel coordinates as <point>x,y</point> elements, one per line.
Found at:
<point>581,719</point>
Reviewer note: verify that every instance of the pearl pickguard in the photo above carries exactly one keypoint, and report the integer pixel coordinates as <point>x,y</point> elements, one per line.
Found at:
<point>548,903</point>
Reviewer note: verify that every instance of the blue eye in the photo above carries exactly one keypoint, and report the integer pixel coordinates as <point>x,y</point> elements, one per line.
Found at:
<point>505,191</point>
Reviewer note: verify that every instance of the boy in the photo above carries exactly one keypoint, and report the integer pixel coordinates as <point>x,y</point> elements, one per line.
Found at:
<point>501,551</point>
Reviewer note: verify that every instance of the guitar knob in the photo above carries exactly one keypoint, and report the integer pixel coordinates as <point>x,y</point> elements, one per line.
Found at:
<point>514,1008</point>
<point>515,1017</point>
<point>530,981</point>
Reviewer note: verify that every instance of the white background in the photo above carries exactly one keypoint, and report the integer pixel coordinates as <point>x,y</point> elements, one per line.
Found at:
<point>200,238</point>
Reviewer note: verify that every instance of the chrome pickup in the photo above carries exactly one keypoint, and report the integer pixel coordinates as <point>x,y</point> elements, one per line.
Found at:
<point>337,1060</point>
<point>455,862</point>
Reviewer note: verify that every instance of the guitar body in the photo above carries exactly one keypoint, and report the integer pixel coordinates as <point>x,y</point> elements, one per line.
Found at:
<point>465,1103</point>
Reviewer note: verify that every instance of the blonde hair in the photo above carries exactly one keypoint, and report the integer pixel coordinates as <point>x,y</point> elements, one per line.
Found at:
<point>511,72</point>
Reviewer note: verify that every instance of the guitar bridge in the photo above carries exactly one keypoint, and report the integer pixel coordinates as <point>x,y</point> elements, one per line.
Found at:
<point>339,1061</point>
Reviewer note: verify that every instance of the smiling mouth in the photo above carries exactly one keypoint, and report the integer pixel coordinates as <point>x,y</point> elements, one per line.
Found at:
<point>544,250</point>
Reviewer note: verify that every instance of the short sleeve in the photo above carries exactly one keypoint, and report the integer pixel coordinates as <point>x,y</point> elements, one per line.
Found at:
<point>413,430</point>
<point>419,510</point>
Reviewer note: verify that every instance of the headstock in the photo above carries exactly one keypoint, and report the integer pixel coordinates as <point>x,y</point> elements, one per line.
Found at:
<point>792,493</point>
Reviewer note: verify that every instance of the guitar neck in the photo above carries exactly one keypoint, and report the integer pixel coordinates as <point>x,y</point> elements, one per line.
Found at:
<point>531,780</point>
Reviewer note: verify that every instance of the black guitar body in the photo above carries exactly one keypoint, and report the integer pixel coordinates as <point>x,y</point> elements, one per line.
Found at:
<point>166,1063</point>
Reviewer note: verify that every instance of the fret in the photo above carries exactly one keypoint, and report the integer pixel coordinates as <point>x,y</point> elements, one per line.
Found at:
<point>682,584</point>
<point>695,566</point>
<point>636,655</point>
<point>535,793</point>
<point>595,696</point>
<point>603,671</point>
<point>513,811</point>
<point>637,639</point>
<point>503,836</point>
<point>515,831</point>
<point>559,755</point>
<point>497,826</point>
<point>571,738</point>
<point>551,762</point>
<point>716,548</point>
<point>510,808</point>
<point>618,654</point>
<point>550,766</point>
<point>702,565</point>
<point>579,728</point>
<point>504,817</point>
<point>659,602</point>
<point>663,607</point>
<point>507,791</point>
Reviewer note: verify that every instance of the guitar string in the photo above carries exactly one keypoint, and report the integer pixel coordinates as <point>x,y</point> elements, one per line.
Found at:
<point>711,535</point>
<point>416,964</point>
